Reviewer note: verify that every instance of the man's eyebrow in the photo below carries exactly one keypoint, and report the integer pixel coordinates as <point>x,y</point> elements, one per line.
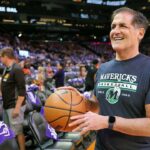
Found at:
<point>121,23</point>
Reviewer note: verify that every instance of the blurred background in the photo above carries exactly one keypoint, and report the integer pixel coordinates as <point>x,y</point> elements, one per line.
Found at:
<point>49,36</point>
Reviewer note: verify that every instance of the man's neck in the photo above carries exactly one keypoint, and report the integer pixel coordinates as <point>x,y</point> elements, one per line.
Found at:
<point>125,55</point>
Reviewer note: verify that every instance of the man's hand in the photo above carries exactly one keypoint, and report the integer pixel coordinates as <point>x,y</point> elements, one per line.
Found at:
<point>15,112</point>
<point>89,121</point>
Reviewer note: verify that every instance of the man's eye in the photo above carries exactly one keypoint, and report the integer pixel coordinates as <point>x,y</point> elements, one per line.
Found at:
<point>112,27</point>
<point>123,26</point>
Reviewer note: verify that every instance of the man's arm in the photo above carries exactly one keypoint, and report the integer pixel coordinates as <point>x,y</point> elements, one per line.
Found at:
<point>136,127</point>
<point>92,104</point>
<point>20,83</point>
<point>93,121</point>
<point>19,101</point>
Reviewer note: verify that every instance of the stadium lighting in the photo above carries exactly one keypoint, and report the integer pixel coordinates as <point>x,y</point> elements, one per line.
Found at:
<point>20,34</point>
<point>8,9</point>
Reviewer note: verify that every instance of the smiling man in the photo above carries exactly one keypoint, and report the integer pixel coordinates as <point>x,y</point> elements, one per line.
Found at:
<point>127,30</point>
<point>122,89</point>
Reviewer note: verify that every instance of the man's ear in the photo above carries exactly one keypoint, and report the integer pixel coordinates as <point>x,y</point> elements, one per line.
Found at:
<point>141,33</point>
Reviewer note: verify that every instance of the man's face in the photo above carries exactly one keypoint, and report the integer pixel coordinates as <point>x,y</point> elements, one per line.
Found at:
<point>58,66</point>
<point>124,35</point>
<point>4,60</point>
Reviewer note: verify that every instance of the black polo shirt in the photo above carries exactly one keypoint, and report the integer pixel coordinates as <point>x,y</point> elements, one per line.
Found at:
<point>13,85</point>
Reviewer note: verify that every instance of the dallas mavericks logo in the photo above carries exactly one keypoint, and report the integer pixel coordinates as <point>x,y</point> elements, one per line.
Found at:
<point>112,95</point>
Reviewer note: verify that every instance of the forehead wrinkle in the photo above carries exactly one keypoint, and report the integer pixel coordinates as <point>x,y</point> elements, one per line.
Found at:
<point>123,17</point>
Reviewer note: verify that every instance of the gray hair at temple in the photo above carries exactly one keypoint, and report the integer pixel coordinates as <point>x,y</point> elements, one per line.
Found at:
<point>139,20</point>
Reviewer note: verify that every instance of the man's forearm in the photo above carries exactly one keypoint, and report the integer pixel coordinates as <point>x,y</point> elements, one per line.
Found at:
<point>92,103</point>
<point>135,127</point>
<point>92,106</point>
<point>19,101</point>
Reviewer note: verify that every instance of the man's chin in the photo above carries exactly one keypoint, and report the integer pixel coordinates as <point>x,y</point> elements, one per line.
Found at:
<point>118,49</point>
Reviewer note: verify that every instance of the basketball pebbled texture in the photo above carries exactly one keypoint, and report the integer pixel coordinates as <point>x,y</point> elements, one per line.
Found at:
<point>60,106</point>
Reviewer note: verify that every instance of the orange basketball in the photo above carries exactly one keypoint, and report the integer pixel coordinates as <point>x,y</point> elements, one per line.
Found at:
<point>60,106</point>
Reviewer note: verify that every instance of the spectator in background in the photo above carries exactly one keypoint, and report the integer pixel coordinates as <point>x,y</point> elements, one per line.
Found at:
<point>41,77</point>
<point>82,72</point>
<point>90,78</point>
<point>26,69</point>
<point>13,94</point>
<point>49,70</point>
<point>68,66</point>
<point>59,75</point>
<point>80,81</point>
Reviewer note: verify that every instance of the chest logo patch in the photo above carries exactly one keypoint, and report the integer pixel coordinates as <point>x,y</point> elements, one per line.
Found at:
<point>113,94</point>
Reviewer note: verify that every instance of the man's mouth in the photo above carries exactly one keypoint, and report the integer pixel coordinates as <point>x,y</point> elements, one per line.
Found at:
<point>118,38</point>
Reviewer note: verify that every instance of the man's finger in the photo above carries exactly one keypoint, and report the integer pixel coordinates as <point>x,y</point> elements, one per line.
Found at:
<point>84,130</point>
<point>80,127</point>
<point>77,117</point>
<point>77,122</point>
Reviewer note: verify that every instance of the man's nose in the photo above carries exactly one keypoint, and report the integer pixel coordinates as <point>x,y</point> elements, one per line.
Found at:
<point>116,29</point>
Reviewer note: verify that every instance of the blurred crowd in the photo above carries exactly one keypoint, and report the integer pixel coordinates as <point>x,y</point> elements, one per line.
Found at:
<point>42,65</point>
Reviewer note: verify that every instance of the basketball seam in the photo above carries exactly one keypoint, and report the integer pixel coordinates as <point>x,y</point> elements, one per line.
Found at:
<point>57,119</point>
<point>68,103</point>
<point>65,109</point>
<point>69,111</point>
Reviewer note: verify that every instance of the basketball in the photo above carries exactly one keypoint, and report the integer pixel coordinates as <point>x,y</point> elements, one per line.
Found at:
<point>60,106</point>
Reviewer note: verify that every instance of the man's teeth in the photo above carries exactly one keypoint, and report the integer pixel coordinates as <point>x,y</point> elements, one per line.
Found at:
<point>118,38</point>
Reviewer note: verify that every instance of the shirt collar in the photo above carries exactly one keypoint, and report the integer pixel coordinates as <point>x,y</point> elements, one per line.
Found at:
<point>10,67</point>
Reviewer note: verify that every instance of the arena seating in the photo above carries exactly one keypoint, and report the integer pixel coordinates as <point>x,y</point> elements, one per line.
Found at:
<point>42,96</point>
<point>10,144</point>
<point>1,109</point>
<point>74,137</point>
<point>33,99</point>
<point>38,127</point>
<point>55,52</point>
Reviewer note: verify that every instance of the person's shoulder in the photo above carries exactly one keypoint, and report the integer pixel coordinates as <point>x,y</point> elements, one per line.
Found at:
<point>106,64</point>
<point>17,67</point>
<point>145,59</point>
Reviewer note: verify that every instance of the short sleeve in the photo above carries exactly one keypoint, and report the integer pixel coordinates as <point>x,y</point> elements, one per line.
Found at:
<point>20,81</point>
<point>147,85</point>
<point>147,101</point>
<point>96,79</point>
<point>94,91</point>
<point>98,73</point>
